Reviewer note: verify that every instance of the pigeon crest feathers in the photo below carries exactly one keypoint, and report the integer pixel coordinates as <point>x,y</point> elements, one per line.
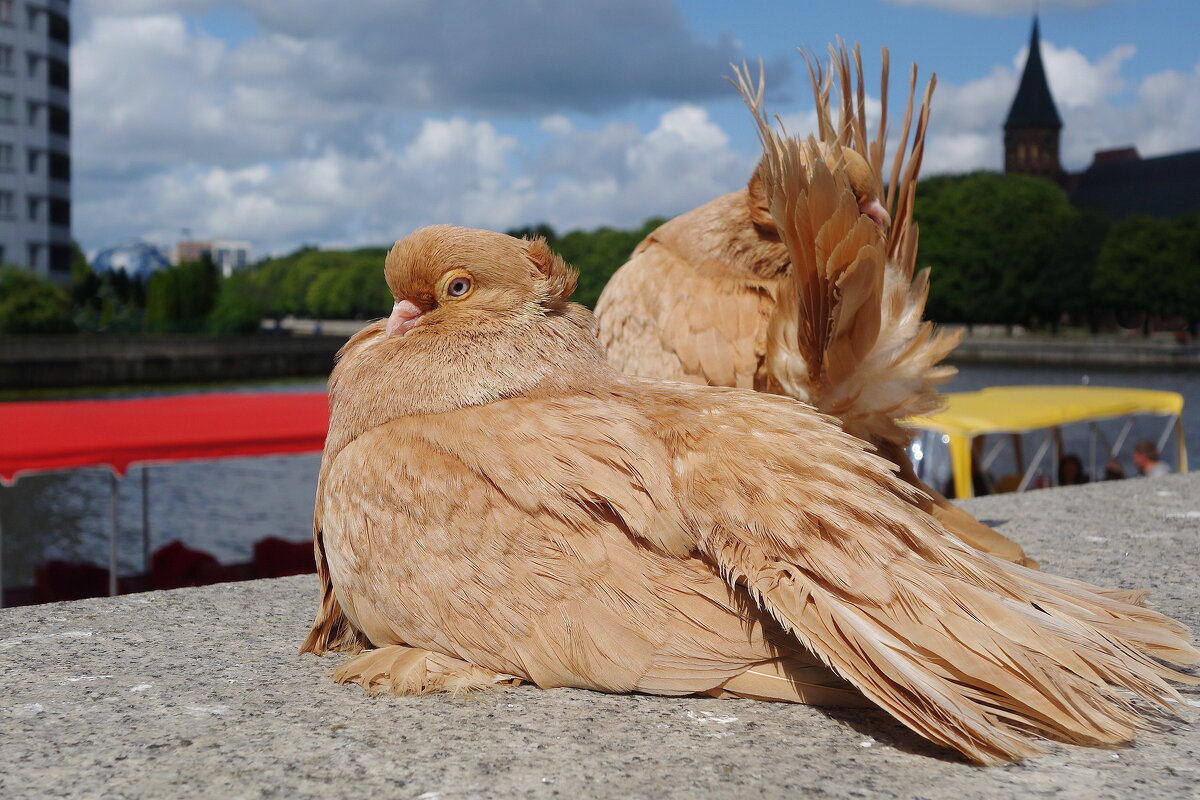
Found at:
<point>846,334</point>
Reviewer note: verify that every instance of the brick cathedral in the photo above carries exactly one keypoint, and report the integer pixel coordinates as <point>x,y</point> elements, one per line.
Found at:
<point>1118,182</point>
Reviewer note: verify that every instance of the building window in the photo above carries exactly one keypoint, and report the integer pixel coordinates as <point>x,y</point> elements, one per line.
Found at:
<point>34,251</point>
<point>59,74</point>
<point>6,205</point>
<point>6,12</point>
<point>31,113</point>
<point>60,27</point>
<point>31,160</point>
<point>60,167</point>
<point>60,212</point>
<point>60,120</point>
<point>6,107</point>
<point>31,64</point>
<point>6,157</point>
<point>6,59</point>
<point>33,204</point>
<point>60,258</point>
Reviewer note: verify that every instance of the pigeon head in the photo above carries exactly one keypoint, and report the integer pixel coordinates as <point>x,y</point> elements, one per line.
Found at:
<point>478,316</point>
<point>444,275</point>
<point>861,178</point>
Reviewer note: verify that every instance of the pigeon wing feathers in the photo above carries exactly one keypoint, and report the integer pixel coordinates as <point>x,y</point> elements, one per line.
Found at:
<point>967,650</point>
<point>587,540</point>
<point>532,530</point>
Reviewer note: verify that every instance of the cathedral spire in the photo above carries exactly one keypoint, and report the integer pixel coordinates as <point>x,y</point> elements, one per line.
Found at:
<point>1033,105</point>
<point>1033,127</point>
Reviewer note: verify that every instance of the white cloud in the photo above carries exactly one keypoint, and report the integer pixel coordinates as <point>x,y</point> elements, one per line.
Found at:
<point>514,57</point>
<point>449,170</point>
<point>1168,111</point>
<point>1076,82</point>
<point>556,124</point>
<point>263,140</point>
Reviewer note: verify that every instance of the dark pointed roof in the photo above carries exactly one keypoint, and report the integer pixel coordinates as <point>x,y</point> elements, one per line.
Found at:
<point>1033,107</point>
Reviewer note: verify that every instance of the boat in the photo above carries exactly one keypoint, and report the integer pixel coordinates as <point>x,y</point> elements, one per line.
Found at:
<point>114,435</point>
<point>976,428</point>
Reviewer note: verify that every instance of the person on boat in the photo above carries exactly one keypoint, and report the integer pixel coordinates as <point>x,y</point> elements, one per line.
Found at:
<point>1113,471</point>
<point>1146,459</point>
<point>1070,471</point>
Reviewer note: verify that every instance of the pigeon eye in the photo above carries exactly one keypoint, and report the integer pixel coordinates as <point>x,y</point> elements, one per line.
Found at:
<point>459,287</point>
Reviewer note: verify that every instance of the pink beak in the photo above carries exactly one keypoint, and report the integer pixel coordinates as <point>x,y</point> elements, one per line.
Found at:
<point>405,316</point>
<point>878,213</point>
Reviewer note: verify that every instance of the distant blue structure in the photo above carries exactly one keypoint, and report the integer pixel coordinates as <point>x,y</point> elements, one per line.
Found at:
<point>138,260</point>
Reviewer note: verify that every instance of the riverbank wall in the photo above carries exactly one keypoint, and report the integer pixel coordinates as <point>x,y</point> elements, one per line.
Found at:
<point>36,362</point>
<point>1110,352</point>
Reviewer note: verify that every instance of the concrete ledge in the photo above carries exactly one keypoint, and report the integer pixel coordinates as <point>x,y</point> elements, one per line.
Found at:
<point>201,693</point>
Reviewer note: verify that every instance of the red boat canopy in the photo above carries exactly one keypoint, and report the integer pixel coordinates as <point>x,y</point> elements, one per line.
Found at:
<point>54,435</point>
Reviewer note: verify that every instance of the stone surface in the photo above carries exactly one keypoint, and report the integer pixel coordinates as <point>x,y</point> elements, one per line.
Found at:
<point>201,693</point>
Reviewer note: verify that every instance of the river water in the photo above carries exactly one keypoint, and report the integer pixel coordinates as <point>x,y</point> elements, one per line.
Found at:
<point>223,507</point>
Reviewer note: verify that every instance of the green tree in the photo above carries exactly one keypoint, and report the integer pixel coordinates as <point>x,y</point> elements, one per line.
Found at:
<point>349,284</point>
<point>179,299</point>
<point>1067,285</point>
<point>598,254</point>
<point>990,240</point>
<point>29,304</point>
<point>81,270</point>
<point>292,289</point>
<point>1150,265</point>
<point>331,294</point>
<point>239,306</point>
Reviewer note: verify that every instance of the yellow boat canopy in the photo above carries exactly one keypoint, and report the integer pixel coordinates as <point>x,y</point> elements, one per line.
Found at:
<point>1018,409</point>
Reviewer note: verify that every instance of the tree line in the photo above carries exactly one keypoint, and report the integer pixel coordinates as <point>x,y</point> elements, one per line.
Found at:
<point>194,297</point>
<point>1004,249</point>
<point>1011,249</point>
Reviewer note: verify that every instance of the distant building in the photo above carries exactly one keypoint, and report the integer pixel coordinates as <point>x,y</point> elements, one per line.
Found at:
<point>191,251</point>
<point>1033,128</point>
<point>228,256</point>
<point>35,136</point>
<point>136,259</point>
<point>231,256</point>
<point>1119,181</point>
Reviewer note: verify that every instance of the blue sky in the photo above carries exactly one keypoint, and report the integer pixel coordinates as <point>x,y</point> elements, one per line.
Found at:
<point>289,122</point>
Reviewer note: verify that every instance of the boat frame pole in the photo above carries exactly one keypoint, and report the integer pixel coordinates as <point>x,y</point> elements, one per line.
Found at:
<point>112,533</point>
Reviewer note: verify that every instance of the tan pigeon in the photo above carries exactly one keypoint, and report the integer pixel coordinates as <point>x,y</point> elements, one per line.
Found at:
<point>496,503</point>
<point>733,293</point>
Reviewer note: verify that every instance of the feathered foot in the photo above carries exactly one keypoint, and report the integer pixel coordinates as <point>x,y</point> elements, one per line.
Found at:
<point>409,671</point>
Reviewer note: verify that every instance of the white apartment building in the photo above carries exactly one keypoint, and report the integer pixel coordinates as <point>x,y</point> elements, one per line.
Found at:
<point>35,135</point>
